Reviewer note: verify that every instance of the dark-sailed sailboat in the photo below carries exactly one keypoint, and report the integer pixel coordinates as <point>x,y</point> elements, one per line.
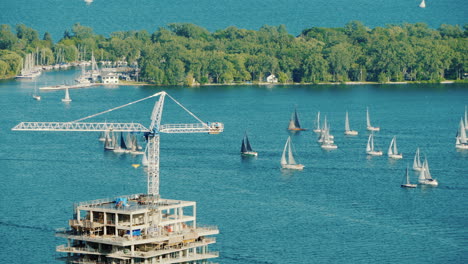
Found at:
<point>294,124</point>
<point>246,149</point>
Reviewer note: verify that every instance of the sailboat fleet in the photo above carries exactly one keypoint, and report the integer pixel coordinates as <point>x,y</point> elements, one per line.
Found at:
<point>121,144</point>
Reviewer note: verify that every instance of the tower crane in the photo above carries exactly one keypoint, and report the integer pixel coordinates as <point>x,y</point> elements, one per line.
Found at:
<point>152,133</point>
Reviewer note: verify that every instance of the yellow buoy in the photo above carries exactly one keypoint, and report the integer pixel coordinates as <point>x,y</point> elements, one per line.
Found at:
<point>136,165</point>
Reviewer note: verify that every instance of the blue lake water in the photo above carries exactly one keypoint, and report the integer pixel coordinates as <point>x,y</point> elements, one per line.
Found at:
<point>343,208</point>
<point>104,17</point>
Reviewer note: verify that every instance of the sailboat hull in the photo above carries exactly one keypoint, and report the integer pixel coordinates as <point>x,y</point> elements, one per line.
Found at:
<point>374,153</point>
<point>431,182</point>
<point>371,128</point>
<point>249,153</point>
<point>461,146</point>
<point>66,100</point>
<point>297,129</point>
<point>351,133</point>
<point>409,185</point>
<point>395,156</point>
<point>37,97</point>
<point>292,166</point>
<point>329,146</point>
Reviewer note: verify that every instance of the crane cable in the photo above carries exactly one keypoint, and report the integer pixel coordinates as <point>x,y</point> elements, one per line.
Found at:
<point>118,107</point>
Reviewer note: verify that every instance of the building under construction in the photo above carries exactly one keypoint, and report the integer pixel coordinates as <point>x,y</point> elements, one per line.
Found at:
<point>136,229</point>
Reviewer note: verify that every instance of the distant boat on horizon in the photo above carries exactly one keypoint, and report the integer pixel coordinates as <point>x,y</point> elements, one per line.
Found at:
<point>422,4</point>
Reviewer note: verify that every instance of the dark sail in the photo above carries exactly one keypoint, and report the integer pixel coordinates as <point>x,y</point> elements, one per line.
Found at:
<point>243,148</point>
<point>296,120</point>
<point>247,143</point>
<point>122,142</point>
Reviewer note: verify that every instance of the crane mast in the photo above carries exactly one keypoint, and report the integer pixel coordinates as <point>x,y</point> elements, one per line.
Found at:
<point>153,132</point>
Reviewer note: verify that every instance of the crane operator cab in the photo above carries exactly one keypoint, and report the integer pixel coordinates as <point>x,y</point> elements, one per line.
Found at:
<point>215,128</point>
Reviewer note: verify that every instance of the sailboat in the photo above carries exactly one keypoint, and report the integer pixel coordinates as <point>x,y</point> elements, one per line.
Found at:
<point>425,176</point>
<point>288,162</point>
<point>370,147</point>
<point>135,149</point>
<point>327,142</point>
<point>369,126</point>
<point>417,166</point>
<point>294,124</point>
<point>461,141</point>
<point>406,183</point>
<point>348,131</point>
<point>67,97</point>
<point>393,150</point>
<point>36,95</point>
<point>122,147</point>
<point>318,129</point>
<point>109,143</point>
<point>104,135</point>
<point>422,4</point>
<point>246,149</point>
<point>325,128</point>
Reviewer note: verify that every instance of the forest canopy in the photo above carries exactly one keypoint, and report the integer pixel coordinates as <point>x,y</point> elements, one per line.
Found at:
<point>182,53</point>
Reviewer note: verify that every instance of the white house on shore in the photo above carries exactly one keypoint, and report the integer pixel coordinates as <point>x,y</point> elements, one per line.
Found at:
<point>272,79</point>
<point>109,78</point>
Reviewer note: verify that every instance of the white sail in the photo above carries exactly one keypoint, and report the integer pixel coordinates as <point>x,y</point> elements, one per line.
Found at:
<point>144,159</point>
<point>67,96</point>
<point>369,146</point>
<point>466,119</point>
<point>417,161</point>
<point>347,122</point>
<point>290,155</point>
<point>427,173</point>
<point>283,157</point>
<point>422,4</point>
<point>462,133</point>
<point>368,118</point>
<point>318,122</point>
<point>390,148</point>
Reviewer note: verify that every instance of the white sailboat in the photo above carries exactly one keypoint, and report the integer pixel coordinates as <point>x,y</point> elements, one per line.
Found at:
<point>393,150</point>
<point>246,148</point>
<point>348,131</point>
<point>318,129</point>
<point>109,143</point>
<point>370,147</point>
<point>369,126</point>
<point>135,149</point>
<point>103,135</point>
<point>461,141</point>
<point>67,98</point>
<point>144,159</point>
<point>36,95</point>
<point>417,166</point>
<point>288,161</point>
<point>425,175</point>
<point>422,4</point>
<point>406,182</point>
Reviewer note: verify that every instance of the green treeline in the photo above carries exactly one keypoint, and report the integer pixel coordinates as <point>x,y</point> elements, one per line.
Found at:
<point>182,53</point>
